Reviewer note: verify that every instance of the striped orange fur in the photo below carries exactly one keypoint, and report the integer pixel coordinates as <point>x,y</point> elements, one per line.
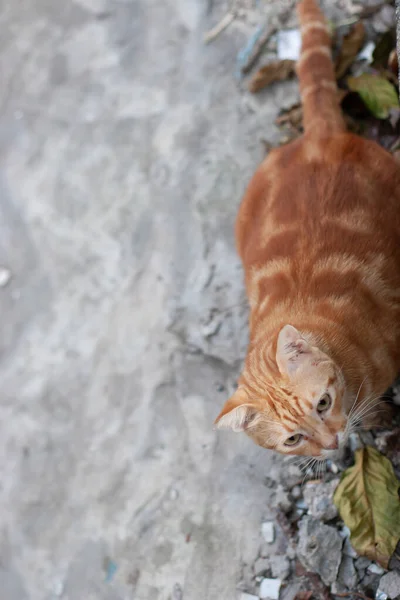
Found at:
<point>318,232</point>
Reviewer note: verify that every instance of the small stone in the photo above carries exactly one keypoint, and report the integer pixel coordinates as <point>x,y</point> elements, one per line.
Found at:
<point>290,591</point>
<point>5,276</point>
<point>296,492</point>
<point>290,476</point>
<point>347,575</point>
<point>381,441</point>
<point>380,595</point>
<point>375,569</point>
<point>58,588</point>
<point>348,549</point>
<point>344,532</point>
<point>268,531</point>
<point>320,548</point>
<point>319,499</point>
<point>269,588</point>
<point>174,494</point>
<point>291,553</point>
<point>390,585</point>
<point>177,593</point>
<point>396,395</point>
<point>384,19</point>
<point>334,468</point>
<point>370,583</point>
<point>362,565</point>
<point>367,438</point>
<point>245,596</point>
<point>354,442</point>
<point>280,566</point>
<point>282,499</point>
<point>261,566</point>
<point>338,588</point>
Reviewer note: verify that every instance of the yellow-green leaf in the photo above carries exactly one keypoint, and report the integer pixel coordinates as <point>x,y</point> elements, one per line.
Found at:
<point>367,499</point>
<point>377,93</point>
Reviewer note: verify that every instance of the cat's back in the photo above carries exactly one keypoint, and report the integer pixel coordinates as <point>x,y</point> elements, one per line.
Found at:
<point>321,193</point>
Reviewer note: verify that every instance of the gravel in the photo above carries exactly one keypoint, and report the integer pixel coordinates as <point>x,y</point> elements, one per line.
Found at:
<point>318,498</point>
<point>320,548</point>
<point>347,575</point>
<point>390,585</point>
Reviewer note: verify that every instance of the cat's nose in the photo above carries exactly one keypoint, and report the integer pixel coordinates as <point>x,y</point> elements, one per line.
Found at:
<point>334,445</point>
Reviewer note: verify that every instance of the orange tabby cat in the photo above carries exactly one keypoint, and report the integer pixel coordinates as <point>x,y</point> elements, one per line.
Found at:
<point>318,232</point>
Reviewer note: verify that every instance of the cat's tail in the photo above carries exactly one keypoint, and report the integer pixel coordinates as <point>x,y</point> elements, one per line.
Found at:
<point>321,111</point>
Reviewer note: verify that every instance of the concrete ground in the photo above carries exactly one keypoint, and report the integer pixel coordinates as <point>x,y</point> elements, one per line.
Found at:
<point>126,144</point>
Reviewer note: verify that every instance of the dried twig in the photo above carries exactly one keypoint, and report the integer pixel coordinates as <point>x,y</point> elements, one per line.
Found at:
<point>351,594</point>
<point>219,28</point>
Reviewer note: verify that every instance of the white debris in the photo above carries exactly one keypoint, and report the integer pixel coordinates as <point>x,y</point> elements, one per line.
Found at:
<point>375,569</point>
<point>366,52</point>
<point>269,588</point>
<point>288,44</point>
<point>5,276</point>
<point>268,531</point>
<point>245,596</point>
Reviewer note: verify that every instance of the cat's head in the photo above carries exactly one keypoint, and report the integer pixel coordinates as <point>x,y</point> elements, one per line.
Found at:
<point>293,404</point>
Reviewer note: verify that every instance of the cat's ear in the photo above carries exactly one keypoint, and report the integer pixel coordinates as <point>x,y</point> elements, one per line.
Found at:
<point>292,350</point>
<point>237,413</point>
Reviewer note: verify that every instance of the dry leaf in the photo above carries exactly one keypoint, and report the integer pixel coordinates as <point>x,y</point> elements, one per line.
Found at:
<point>275,71</point>
<point>393,62</point>
<point>376,92</point>
<point>352,44</point>
<point>383,48</point>
<point>367,499</point>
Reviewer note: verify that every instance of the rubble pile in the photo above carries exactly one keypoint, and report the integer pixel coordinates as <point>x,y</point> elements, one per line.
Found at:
<point>305,553</point>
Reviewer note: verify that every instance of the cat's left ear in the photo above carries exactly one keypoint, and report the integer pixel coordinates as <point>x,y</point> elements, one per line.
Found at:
<point>237,413</point>
<point>292,350</point>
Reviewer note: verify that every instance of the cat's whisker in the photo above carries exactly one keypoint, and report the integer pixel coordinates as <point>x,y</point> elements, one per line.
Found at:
<point>356,398</point>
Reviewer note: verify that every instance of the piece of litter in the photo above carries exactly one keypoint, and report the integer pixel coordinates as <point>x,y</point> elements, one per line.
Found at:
<point>245,596</point>
<point>111,569</point>
<point>268,531</point>
<point>269,588</point>
<point>5,276</point>
<point>366,52</point>
<point>219,28</point>
<point>288,44</point>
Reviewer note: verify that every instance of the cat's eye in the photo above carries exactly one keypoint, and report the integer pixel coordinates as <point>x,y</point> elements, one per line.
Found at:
<point>293,439</point>
<point>324,404</point>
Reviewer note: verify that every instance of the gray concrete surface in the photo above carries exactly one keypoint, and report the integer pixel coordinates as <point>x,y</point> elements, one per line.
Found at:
<point>125,147</point>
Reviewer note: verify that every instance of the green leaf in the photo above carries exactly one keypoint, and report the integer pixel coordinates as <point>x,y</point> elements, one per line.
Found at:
<point>367,499</point>
<point>376,92</point>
